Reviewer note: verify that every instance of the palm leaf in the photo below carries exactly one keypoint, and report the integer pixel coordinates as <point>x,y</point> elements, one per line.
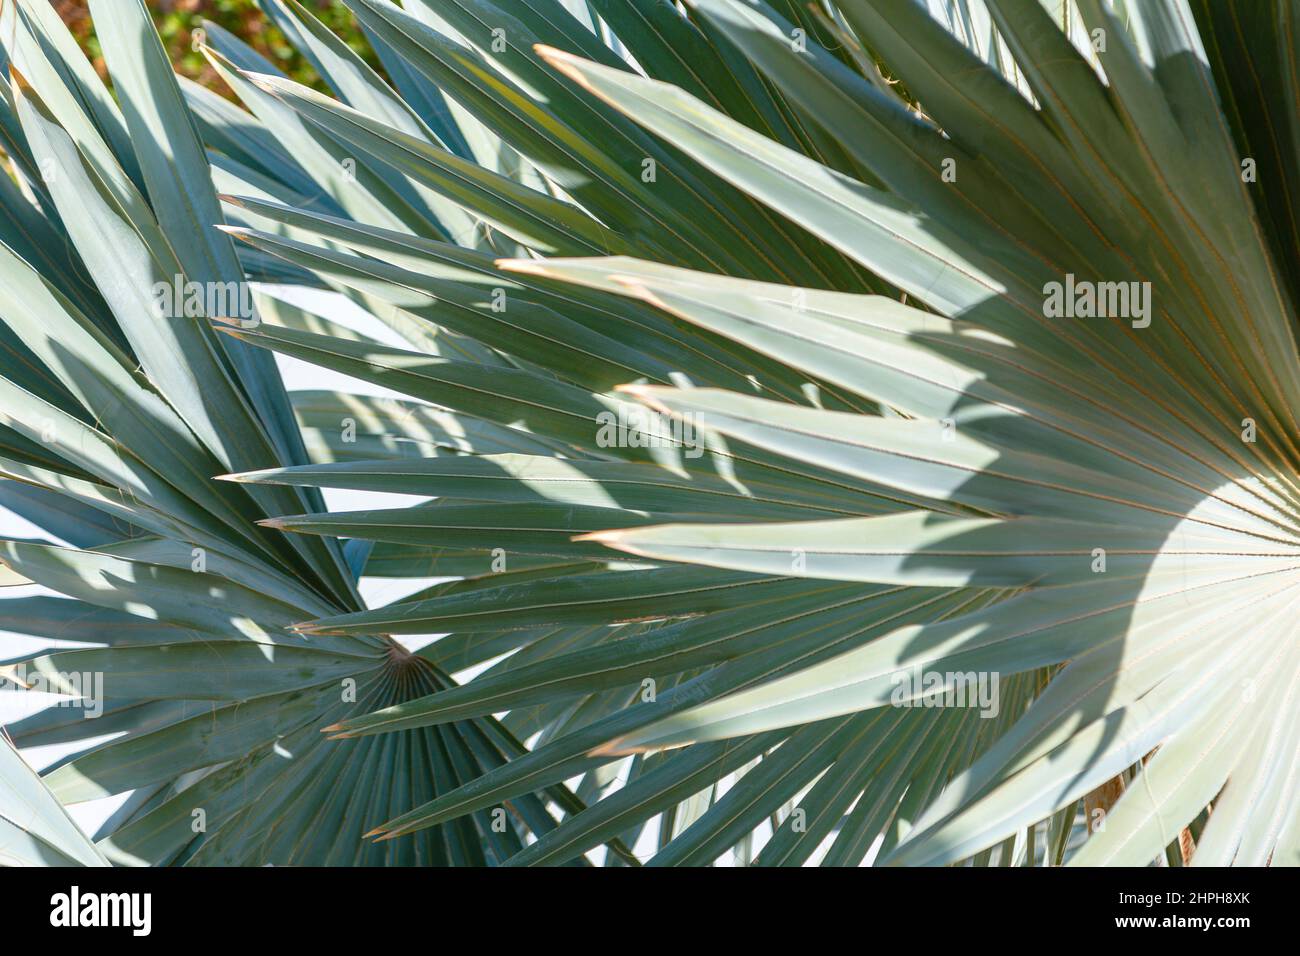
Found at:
<point>728,357</point>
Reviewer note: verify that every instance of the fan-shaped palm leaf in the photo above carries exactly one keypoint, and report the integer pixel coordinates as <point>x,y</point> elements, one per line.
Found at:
<point>738,359</point>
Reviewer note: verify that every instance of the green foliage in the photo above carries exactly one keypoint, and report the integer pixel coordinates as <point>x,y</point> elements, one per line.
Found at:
<point>787,509</point>
<point>177,20</point>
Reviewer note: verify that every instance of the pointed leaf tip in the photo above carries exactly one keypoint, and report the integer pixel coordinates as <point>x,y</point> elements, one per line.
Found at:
<point>548,52</point>
<point>610,749</point>
<point>600,537</point>
<point>18,80</point>
<point>564,63</point>
<point>532,267</point>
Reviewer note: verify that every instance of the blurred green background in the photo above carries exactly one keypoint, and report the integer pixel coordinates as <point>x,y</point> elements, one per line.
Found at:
<point>177,19</point>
